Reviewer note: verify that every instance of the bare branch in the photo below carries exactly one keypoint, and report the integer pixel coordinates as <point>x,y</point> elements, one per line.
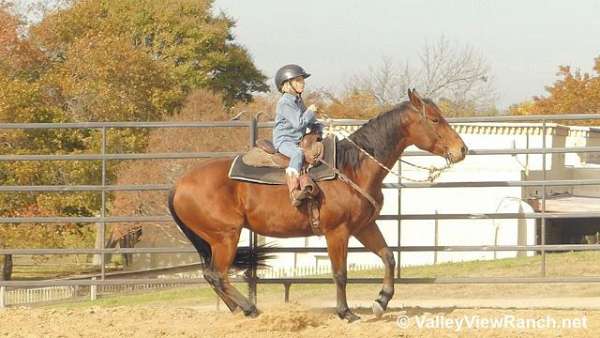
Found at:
<point>446,70</point>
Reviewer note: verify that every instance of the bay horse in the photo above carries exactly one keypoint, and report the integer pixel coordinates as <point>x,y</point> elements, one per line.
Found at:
<point>211,209</point>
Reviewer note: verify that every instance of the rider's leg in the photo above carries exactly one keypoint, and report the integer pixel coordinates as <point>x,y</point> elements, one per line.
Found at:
<point>296,156</point>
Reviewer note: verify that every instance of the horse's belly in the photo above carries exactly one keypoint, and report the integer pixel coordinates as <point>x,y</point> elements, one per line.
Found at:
<point>268,211</point>
<point>286,222</point>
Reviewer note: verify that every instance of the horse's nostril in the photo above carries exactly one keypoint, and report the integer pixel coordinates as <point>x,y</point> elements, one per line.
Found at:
<point>464,150</point>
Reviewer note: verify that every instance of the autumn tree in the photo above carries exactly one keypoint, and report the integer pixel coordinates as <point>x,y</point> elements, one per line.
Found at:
<point>106,60</point>
<point>575,92</point>
<point>193,46</point>
<point>23,98</point>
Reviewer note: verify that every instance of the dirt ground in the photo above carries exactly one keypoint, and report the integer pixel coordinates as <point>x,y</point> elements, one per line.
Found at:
<point>311,319</point>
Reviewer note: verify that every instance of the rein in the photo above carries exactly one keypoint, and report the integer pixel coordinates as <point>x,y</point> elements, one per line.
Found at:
<point>434,172</point>
<point>347,180</point>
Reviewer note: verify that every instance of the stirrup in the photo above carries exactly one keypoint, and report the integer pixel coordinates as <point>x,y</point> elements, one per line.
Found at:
<point>297,196</point>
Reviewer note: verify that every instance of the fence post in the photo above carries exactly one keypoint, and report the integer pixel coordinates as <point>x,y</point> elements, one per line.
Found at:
<point>436,238</point>
<point>287,286</point>
<point>103,212</point>
<point>2,297</point>
<point>543,220</point>
<point>93,291</point>
<point>399,239</point>
<point>253,236</point>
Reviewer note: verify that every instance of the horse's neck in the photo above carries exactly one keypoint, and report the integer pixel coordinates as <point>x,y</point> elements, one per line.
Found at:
<point>370,174</point>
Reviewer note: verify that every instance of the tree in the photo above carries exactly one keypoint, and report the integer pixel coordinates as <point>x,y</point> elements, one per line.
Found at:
<point>23,101</point>
<point>103,60</point>
<point>194,47</point>
<point>454,75</point>
<point>353,103</point>
<point>18,57</point>
<point>574,92</point>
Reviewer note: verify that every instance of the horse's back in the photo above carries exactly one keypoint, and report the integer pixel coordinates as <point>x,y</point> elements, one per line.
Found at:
<point>210,172</point>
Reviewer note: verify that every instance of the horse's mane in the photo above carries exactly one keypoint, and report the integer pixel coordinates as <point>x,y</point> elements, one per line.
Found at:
<point>379,136</point>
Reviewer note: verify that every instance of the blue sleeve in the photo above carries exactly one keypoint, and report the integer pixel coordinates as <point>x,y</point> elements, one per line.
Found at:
<point>291,113</point>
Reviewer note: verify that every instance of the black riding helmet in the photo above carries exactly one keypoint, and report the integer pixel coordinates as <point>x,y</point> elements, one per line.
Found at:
<point>288,72</point>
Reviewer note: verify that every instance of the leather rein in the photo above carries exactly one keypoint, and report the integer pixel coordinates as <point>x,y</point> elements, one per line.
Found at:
<point>434,172</point>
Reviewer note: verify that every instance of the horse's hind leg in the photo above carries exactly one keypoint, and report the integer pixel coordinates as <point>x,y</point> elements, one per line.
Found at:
<point>223,254</point>
<point>372,239</point>
<point>216,282</point>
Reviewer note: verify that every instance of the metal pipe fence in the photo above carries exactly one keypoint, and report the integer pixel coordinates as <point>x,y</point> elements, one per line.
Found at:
<point>253,125</point>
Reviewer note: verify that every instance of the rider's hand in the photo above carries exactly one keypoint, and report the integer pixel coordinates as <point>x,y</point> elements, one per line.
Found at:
<point>313,108</point>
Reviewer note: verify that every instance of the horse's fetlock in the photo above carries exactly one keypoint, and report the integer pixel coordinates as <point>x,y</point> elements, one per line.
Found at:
<point>388,258</point>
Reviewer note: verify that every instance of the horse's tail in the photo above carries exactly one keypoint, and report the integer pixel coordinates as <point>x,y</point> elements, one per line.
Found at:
<point>245,258</point>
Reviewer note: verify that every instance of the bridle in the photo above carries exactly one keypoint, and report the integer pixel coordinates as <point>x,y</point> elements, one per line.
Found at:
<point>434,172</point>
<point>425,120</point>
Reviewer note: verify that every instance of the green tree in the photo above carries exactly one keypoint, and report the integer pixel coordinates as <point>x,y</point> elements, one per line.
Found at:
<point>22,100</point>
<point>106,60</point>
<point>196,48</point>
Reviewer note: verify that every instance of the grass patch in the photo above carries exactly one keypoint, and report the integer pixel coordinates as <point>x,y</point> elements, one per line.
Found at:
<point>176,296</point>
<point>582,263</point>
<point>558,264</point>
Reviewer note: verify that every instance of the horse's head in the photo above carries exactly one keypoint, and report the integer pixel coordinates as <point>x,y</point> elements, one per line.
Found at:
<point>428,130</point>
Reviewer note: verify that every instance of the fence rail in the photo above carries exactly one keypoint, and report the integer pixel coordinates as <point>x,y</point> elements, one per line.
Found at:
<point>166,187</point>
<point>253,126</point>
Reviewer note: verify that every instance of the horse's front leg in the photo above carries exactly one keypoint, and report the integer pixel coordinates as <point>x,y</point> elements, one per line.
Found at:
<point>372,239</point>
<point>337,247</point>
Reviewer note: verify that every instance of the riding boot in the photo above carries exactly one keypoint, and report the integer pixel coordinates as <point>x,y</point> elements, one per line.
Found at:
<point>308,186</point>
<point>296,196</point>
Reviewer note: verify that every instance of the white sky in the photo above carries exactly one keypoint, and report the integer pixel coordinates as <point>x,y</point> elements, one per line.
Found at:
<point>524,41</point>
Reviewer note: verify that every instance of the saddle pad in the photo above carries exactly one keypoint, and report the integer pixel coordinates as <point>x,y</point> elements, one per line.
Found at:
<point>243,172</point>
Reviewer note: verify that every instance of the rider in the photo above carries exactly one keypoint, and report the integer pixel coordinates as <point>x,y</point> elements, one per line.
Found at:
<point>291,121</point>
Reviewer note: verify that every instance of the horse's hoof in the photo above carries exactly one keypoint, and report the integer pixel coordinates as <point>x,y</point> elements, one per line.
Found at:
<point>348,315</point>
<point>378,309</point>
<point>252,312</point>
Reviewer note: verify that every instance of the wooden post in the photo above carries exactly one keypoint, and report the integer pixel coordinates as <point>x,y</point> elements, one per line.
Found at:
<point>7,268</point>
<point>2,297</point>
<point>287,291</point>
<point>93,291</point>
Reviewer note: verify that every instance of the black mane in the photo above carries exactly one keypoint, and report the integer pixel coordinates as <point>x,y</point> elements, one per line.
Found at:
<point>379,136</point>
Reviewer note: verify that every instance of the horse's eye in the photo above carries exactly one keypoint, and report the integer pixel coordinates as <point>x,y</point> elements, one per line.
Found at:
<point>435,120</point>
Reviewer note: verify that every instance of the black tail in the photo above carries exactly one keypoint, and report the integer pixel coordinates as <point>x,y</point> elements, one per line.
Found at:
<point>245,258</point>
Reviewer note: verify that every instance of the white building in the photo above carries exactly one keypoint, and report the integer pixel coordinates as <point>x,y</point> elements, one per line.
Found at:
<point>478,200</point>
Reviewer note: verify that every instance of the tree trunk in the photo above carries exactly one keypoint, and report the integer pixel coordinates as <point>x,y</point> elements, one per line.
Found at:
<point>7,268</point>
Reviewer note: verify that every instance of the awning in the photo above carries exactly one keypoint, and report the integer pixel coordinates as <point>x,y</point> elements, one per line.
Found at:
<point>567,203</point>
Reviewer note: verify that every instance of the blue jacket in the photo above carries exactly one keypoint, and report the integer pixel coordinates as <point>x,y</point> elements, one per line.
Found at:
<point>291,120</point>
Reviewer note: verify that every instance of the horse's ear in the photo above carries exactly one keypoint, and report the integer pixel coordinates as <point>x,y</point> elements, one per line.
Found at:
<point>415,99</point>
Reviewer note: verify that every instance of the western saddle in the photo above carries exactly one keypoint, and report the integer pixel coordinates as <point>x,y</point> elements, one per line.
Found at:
<point>310,144</point>
<point>301,188</point>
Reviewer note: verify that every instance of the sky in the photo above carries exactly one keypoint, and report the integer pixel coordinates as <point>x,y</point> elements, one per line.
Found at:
<point>524,41</point>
